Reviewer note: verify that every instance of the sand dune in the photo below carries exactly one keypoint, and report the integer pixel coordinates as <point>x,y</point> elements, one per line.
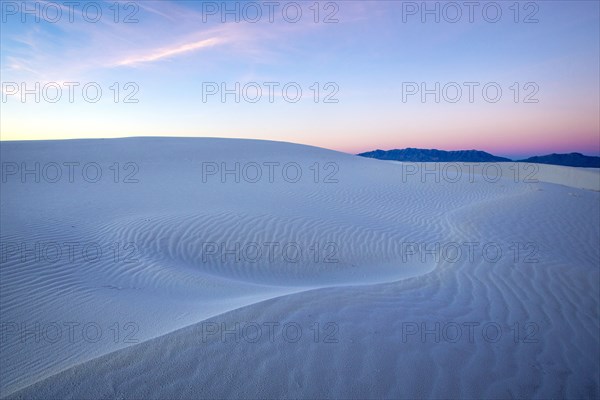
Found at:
<point>347,255</point>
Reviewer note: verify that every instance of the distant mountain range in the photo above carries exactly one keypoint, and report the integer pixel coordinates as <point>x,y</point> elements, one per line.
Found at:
<point>433,155</point>
<point>570,160</point>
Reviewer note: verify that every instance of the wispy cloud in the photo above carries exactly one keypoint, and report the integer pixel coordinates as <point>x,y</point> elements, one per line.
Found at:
<point>163,53</point>
<point>81,50</point>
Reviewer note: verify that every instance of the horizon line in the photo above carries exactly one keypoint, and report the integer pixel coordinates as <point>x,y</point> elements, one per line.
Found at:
<point>503,154</point>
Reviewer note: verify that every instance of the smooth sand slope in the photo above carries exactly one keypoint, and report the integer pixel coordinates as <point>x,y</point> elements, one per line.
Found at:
<point>374,279</point>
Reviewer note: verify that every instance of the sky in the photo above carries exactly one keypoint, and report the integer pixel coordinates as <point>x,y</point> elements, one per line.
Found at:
<point>511,78</point>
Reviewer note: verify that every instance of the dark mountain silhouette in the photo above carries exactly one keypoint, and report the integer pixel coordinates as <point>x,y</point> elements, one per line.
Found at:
<point>433,155</point>
<point>569,160</point>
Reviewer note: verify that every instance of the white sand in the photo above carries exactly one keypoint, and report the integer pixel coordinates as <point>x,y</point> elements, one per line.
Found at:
<point>371,298</point>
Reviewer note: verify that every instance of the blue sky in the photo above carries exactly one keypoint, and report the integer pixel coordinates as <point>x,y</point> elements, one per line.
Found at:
<point>364,61</point>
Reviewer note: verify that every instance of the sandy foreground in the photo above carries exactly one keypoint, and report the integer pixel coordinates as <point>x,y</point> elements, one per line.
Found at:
<point>224,268</point>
